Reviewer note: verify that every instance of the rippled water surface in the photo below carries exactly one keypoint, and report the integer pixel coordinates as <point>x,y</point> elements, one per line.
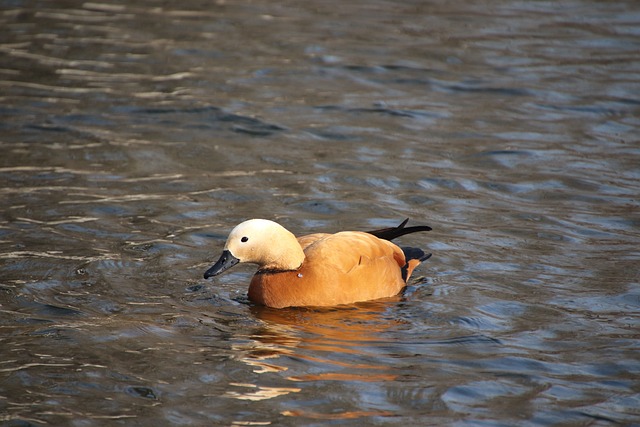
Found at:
<point>135,135</point>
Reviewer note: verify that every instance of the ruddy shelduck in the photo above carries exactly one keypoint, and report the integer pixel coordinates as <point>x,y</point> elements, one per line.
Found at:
<point>319,269</point>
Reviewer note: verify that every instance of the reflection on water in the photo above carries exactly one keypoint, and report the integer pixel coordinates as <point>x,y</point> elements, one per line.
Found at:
<point>343,345</point>
<point>340,331</point>
<point>134,136</point>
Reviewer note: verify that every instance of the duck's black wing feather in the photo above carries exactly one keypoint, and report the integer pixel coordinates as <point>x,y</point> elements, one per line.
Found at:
<point>393,232</point>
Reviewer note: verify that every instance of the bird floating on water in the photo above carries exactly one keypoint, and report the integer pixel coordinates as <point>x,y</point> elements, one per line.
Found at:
<point>320,269</point>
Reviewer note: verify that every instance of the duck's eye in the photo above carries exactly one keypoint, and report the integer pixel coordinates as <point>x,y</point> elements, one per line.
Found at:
<point>244,239</point>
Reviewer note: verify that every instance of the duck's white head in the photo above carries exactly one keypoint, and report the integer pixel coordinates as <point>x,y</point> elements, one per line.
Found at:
<point>262,242</point>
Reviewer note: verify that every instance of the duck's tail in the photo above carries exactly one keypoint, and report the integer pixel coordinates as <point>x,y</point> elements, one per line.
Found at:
<point>413,256</point>
<point>393,232</point>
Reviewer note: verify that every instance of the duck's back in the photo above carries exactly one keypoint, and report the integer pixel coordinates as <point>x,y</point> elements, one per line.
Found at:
<point>339,268</point>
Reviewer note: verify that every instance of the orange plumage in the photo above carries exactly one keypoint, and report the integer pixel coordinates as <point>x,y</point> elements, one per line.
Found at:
<point>319,269</point>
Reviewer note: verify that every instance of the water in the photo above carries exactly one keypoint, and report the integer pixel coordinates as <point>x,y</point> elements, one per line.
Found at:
<point>134,136</point>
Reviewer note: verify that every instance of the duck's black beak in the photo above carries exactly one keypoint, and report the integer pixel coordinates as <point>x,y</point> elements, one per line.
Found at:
<point>226,261</point>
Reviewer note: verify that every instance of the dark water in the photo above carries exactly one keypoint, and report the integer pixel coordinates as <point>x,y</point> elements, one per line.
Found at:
<point>135,135</point>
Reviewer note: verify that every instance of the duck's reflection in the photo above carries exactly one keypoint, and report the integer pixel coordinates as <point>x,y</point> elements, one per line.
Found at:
<point>344,344</point>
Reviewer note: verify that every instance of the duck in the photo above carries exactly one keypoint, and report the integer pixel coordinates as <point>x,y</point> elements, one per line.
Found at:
<point>320,269</point>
